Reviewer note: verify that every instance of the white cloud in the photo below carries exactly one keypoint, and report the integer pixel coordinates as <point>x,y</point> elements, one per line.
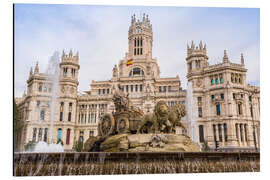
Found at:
<point>100,36</point>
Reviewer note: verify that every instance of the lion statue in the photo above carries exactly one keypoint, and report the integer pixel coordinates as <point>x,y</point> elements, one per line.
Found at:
<point>164,119</point>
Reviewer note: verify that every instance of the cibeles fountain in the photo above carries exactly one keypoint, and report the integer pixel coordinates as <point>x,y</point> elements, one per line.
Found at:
<point>130,142</point>
<point>127,129</point>
<point>52,71</point>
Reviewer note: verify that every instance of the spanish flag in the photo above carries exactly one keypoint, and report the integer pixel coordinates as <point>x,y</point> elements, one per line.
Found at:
<point>129,62</point>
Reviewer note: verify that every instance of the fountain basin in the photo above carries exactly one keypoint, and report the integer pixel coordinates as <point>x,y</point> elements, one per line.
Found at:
<point>97,163</point>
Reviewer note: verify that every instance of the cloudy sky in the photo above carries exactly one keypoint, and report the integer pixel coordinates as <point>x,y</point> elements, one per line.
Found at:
<point>100,34</point>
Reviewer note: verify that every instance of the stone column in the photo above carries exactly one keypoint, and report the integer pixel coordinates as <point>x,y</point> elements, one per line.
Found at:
<point>239,136</point>
<point>87,113</point>
<point>244,135</point>
<point>222,134</point>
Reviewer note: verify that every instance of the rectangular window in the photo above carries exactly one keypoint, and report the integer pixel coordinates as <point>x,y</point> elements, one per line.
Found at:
<point>199,99</point>
<point>91,133</point>
<point>61,116</point>
<point>68,136</point>
<point>136,87</point>
<point>38,103</point>
<point>103,91</point>
<point>222,96</point>
<point>201,133</point>
<point>220,132</point>
<point>212,82</point>
<point>213,97</point>
<point>245,128</point>
<point>141,87</point>
<point>45,135</point>
<point>131,88</point>
<point>159,89</point>
<point>241,132</point>
<point>251,111</point>
<point>108,91</point>
<point>164,88</point>
<point>218,109</point>
<point>240,109</point>
<point>59,133</point>
<point>169,88</point>
<point>82,118</point>
<point>225,132</point>
<point>233,95</point>
<point>99,91</point>
<point>200,111</point>
<point>126,88</point>
<point>69,116</point>
<point>250,98</point>
<point>221,80</point>
<point>34,134</point>
<point>216,80</point>
<point>40,134</point>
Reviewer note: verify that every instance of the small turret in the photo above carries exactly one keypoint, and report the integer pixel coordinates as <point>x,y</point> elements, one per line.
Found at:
<point>196,50</point>
<point>242,59</point>
<point>225,57</point>
<point>115,71</point>
<point>36,69</point>
<point>70,53</point>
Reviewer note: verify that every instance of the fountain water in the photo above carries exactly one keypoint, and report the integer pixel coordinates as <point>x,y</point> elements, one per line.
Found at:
<point>191,112</point>
<point>52,71</point>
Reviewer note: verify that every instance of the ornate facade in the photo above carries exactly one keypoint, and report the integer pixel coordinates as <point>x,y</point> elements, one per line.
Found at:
<point>228,108</point>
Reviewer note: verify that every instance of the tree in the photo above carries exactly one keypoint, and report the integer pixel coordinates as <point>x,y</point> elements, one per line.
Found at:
<point>16,125</point>
<point>78,146</point>
<point>205,147</point>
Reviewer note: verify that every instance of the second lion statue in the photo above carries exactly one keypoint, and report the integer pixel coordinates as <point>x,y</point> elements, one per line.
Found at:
<point>163,120</point>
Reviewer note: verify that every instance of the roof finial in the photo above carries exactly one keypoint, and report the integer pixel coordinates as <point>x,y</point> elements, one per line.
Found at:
<point>242,59</point>
<point>31,71</point>
<point>70,53</point>
<point>225,57</point>
<point>36,68</point>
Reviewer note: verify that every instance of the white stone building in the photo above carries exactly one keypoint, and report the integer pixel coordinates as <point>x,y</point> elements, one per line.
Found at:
<point>228,108</point>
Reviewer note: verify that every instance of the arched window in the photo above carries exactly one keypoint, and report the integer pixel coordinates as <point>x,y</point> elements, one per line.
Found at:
<point>135,43</point>
<point>136,71</point>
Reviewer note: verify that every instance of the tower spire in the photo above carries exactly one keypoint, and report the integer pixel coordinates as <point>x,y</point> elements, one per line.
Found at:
<point>36,68</point>
<point>242,59</point>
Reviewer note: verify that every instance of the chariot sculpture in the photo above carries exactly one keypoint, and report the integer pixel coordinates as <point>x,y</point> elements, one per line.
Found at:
<point>125,119</point>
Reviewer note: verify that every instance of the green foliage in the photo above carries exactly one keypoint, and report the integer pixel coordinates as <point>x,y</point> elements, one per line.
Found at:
<point>205,147</point>
<point>60,141</point>
<point>17,124</point>
<point>78,147</point>
<point>30,146</point>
